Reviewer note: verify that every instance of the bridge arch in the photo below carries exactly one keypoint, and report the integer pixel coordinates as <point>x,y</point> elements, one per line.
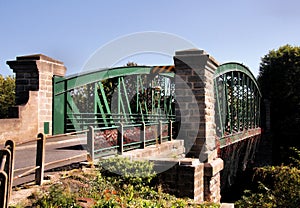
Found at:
<point>131,89</point>
<point>237,108</point>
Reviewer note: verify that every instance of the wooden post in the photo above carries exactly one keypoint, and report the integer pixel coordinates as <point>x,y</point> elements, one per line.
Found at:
<point>40,159</point>
<point>91,145</point>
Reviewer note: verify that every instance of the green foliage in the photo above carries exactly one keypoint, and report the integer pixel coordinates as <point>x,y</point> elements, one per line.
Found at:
<point>7,94</point>
<point>83,98</point>
<point>295,158</point>
<point>278,186</point>
<point>279,73</point>
<point>128,169</point>
<point>56,197</point>
<point>108,189</point>
<point>279,77</point>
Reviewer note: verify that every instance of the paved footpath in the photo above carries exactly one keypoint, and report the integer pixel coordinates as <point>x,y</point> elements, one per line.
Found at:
<point>57,149</point>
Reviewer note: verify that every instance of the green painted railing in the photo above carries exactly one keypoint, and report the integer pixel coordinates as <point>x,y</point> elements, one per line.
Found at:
<point>237,102</point>
<point>120,138</point>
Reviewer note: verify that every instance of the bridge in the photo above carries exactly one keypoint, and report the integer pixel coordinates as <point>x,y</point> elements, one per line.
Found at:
<point>209,111</point>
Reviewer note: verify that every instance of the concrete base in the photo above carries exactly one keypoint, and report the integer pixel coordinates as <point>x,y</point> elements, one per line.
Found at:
<point>227,205</point>
<point>169,149</point>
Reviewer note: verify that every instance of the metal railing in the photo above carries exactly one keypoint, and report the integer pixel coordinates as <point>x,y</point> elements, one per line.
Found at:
<point>85,120</point>
<point>6,172</point>
<point>117,139</point>
<point>40,164</point>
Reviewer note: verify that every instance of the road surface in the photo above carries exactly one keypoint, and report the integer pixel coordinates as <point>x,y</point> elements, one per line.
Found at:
<point>57,149</point>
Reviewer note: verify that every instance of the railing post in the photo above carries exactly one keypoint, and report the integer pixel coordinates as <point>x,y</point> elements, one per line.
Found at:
<point>170,130</point>
<point>5,156</point>
<point>11,146</point>
<point>91,145</point>
<point>160,131</point>
<point>143,135</point>
<point>40,159</point>
<point>3,189</point>
<point>120,138</point>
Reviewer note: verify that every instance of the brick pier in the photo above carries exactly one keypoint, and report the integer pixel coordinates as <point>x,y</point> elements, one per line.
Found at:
<point>33,110</point>
<point>195,111</point>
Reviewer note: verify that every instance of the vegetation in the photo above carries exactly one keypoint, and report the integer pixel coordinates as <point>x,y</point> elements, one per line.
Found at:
<point>279,77</point>
<point>278,186</point>
<point>7,94</point>
<point>109,186</point>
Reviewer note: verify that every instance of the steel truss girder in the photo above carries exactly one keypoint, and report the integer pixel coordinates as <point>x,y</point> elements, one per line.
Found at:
<point>67,113</point>
<point>237,100</point>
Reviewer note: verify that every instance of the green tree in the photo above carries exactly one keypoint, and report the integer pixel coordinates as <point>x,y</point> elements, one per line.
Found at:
<point>279,77</point>
<point>7,94</point>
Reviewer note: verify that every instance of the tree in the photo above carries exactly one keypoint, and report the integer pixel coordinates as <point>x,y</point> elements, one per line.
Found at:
<point>279,77</point>
<point>7,94</point>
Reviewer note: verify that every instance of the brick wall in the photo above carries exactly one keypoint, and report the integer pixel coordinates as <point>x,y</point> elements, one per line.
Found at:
<point>33,97</point>
<point>212,180</point>
<point>184,178</point>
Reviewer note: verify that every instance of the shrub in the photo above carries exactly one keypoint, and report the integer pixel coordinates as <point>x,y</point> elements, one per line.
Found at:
<point>57,196</point>
<point>103,188</point>
<point>138,173</point>
<point>278,186</point>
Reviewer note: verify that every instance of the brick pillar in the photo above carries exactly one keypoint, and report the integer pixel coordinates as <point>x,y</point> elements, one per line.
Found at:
<point>212,180</point>
<point>183,179</point>
<point>195,112</point>
<point>195,97</point>
<point>34,73</point>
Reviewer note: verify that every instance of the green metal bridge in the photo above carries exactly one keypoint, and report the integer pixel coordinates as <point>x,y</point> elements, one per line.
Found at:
<point>132,107</point>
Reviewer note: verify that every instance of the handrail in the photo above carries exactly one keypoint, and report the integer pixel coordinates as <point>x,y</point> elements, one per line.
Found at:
<point>32,169</point>
<point>97,143</point>
<point>52,137</point>
<point>6,172</point>
<point>40,165</point>
<point>64,160</point>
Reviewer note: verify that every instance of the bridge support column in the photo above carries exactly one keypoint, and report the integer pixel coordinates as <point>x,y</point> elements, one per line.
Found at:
<point>195,111</point>
<point>33,111</point>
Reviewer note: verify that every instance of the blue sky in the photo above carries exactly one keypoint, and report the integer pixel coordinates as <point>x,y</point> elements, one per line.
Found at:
<point>72,30</point>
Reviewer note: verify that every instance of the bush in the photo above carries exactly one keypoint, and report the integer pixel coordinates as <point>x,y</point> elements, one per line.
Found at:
<point>128,171</point>
<point>57,196</point>
<point>278,186</point>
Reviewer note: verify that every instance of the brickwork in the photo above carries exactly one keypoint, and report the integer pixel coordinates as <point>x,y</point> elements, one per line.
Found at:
<point>33,97</point>
<point>22,128</point>
<point>195,96</point>
<point>195,112</point>
<point>212,180</point>
<point>47,68</point>
<point>184,178</point>
<point>172,148</point>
